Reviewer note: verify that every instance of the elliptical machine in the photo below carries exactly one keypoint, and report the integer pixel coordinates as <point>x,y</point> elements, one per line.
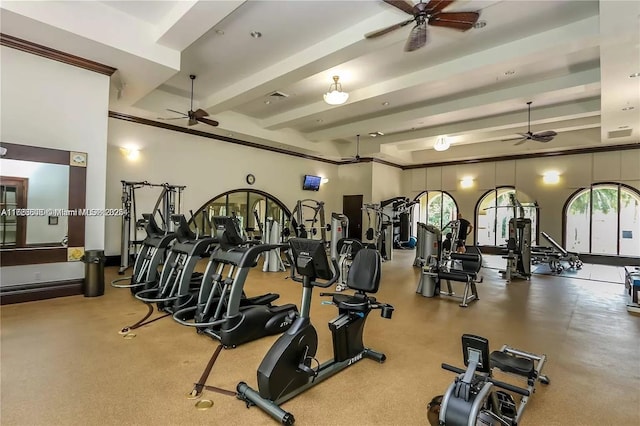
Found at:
<point>287,369</point>
<point>222,311</point>
<point>152,254</point>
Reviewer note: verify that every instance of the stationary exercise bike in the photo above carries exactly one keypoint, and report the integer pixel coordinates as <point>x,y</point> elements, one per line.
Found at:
<point>472,398</point>
<point>288,368</point>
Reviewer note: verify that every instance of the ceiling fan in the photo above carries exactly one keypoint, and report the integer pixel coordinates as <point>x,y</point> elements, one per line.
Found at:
<point>546,136</point>
<point>355,159</point>
<point>427,14</point>
<point>193,116</point>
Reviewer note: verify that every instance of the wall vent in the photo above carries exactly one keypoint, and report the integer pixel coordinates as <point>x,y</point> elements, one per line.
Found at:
<point>620,133</point>
<point>278,95</point>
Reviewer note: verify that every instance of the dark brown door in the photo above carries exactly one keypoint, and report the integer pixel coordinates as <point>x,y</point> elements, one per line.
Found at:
<point>13,196</point>
<point>352,208</point>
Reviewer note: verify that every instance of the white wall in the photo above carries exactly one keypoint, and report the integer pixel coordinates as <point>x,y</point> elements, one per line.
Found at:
<point>50,104</point>
<point>576,171</point>
<point>207,167</point>
<point>386,182</point>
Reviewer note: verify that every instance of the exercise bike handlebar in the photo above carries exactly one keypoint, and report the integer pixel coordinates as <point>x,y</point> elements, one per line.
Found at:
<point>503,385</point>
<point>334,278</point>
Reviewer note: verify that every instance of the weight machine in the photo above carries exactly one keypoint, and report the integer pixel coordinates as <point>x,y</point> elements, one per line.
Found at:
<point>305,227</point>
<point>380,230</point>
<point>428,244</point>
<point>555,256</point>
<point>168,203</point>
<point>399,210</point>
<point>519,243</point>
<point>339,230</point>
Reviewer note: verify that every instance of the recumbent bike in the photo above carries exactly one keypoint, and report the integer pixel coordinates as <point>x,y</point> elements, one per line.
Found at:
<point>472,399</point>
<point>288,368</point>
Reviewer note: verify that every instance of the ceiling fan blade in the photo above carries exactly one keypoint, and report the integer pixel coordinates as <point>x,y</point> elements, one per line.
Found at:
<point>213,123</point>
<point>388,29</point>
<point>402,5</point>
<point>542,138</point>
<point>199,113</point>
<point>417,38</point>
<point>172,118</point>
<point>462,21</point>
<point>192,122</point>
<point>522,135</point>
<point>521,141</point>
<point>178,112</point>
<point>547,134</point>
<point>437,5</point>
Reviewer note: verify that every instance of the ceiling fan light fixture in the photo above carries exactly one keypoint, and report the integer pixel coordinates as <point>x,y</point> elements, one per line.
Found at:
<point>442,143</point>
<point>335,95</point>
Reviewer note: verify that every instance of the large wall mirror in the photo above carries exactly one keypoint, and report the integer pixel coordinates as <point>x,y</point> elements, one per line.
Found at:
<point>42,194</point>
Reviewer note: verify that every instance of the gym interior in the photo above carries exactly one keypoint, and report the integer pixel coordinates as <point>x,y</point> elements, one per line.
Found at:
<point>555,260</point>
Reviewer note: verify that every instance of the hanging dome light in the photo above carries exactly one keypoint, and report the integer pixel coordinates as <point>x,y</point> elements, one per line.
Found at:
<point>335,95</point>
<point>442,144</point>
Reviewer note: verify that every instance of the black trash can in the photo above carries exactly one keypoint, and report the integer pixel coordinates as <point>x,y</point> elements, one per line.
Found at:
<point>94,261</point>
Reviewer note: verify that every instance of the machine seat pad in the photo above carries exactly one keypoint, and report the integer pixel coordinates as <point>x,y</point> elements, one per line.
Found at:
<point>512,364</point>
<point>455,275</point>
<point>355,302</point>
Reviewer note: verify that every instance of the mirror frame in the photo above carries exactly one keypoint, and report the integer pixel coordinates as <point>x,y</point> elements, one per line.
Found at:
<point>77,162</point>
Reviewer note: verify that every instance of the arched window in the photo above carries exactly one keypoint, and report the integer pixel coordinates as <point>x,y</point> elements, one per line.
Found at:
<point>603,219</point>
<point>436,208</point>
<point>493,213</point>
<point>251,207</point>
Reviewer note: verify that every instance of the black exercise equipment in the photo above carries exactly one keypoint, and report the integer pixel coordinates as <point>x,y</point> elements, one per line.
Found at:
<point>178,282</point>
<point>467,274</point>
<point>305,226</point>
<point>471,398</point>
<point>519,243</point>
<point>152,254</point>
<point>288,368</point>
<point>222,311</point>
<point>555,256</point>
<point>168,203</point>
<point>458,267</point>
<point>347,249</point>
<point>380,230</point>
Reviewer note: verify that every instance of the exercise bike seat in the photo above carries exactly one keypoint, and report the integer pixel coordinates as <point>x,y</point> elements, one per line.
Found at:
<point>357,302</point>
<point>512,364</point>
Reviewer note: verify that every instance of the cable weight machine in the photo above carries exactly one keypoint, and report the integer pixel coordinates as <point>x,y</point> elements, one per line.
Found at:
<point>168,203</point>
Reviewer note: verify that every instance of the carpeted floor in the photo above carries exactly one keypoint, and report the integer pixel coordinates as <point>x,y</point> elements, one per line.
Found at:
<point>64,363</point>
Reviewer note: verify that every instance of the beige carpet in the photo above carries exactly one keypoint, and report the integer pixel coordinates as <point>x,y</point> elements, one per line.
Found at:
<point>64,363</point>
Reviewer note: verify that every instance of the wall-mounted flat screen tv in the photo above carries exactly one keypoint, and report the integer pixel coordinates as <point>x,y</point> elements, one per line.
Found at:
<point>311,183</point>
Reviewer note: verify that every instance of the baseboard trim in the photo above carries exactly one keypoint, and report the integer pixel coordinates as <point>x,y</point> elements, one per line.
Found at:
<point>113,260</point>
<point>596,259</point>
<point>40,291</point>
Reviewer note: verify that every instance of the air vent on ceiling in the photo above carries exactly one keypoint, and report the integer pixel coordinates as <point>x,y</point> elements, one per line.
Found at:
<point>278,95</point>
<point>620,133</point>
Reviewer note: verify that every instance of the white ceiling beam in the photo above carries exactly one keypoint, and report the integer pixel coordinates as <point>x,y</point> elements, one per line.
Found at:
<point>93,21</point>
<point>189,20</point>
<point>619,58</point>
<point>504,124</point>
<point>575,36</point>
<point>334,50</point>
<point>459,108</point>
